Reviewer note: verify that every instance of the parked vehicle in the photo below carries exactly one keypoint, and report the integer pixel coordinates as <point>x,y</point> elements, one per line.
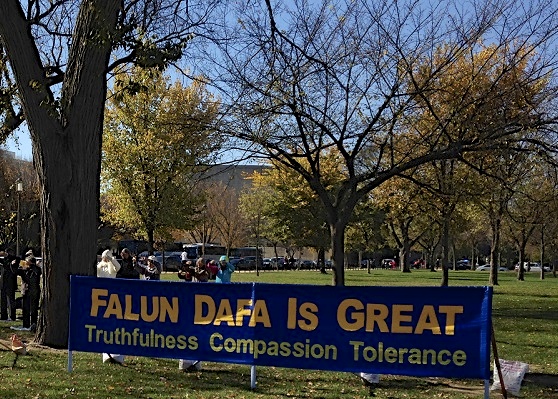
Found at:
<point>463,264</point>
<point>532,267</point>
<point>486,268</point>
<point>277,263</point>
<point>172,263</point>
<point>246,263</point>
<point>305,264</point>
<point>538,269</point>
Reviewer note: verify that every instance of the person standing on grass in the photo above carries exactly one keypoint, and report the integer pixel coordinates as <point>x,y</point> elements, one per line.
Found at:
<point>370,381</point>
<point>108,268</point>
<point>212,268</point>
<point>151,271</point>
<point>127,266</point>
<point>186,271</point>
<point>8,285</point>
<point>199,273</point>
<point>30,274</point>
<point>222,275</point>
<point>225,271</point>
<point>184,254</point>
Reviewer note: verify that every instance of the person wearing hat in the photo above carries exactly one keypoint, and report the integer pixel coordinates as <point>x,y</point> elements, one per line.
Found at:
<point>150,271</point>
<point>108,267</point>
<point>30,274</point>
<point>225,271</point>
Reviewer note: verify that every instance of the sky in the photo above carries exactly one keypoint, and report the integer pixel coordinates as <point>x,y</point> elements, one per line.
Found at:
<point>20,144</point>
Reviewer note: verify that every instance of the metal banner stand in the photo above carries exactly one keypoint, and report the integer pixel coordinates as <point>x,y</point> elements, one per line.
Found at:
<point>253,377</point>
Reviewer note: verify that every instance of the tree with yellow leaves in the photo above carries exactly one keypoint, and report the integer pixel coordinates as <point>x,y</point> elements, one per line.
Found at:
<point>486,104</point>
<point>154,138</point>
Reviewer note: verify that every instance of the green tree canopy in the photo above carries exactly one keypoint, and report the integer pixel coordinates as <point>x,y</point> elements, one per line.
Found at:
<point>154,138</point>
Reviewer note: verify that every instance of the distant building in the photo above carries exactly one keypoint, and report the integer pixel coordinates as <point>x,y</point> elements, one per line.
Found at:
<point>233,176</point>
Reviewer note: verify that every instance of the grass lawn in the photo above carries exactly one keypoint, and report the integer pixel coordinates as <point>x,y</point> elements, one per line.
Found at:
<point>525,316</point>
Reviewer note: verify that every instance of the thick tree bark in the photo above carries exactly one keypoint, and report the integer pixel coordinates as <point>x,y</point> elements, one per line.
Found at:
<point>66,140</point>
<point>69,215</point>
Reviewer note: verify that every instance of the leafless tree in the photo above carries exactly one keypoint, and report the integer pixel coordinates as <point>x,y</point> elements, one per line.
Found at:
<point>303,78</point>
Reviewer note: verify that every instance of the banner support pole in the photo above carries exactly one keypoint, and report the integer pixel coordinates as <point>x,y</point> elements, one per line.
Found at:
<point>253,377</point>
<point>497,362</point>
<point>253,367</point>
<point>70,361</point>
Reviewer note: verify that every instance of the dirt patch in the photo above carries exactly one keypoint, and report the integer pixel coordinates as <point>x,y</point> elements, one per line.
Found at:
<point>474,391</point>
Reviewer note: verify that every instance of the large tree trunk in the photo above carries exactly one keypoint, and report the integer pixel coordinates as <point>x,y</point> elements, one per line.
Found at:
<point>66,138</point>
<point>69,216</point>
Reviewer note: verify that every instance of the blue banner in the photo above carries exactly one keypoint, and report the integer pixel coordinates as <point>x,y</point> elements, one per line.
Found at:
<point>415,331</point>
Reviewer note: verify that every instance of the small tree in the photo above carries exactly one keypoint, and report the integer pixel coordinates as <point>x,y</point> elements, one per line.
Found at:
<point>223,209</point>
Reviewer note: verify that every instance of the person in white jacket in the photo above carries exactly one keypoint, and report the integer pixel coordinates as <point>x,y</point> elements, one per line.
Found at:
<point>107,268</point>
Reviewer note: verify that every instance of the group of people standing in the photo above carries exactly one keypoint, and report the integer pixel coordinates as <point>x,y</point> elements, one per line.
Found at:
<point>202,272</point>
<point>205,270</point>
<point>130,268</point>
<point>26,267</point>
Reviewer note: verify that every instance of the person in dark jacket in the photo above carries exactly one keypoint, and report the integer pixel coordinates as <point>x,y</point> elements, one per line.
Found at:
<point>186,271</point>
<point>30,291</point>
<point>8,285</point>
<point>127,266</point>
<point>151,271</point>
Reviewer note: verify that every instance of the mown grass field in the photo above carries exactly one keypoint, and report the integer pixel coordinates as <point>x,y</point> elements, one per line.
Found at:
<point>525,316</point>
